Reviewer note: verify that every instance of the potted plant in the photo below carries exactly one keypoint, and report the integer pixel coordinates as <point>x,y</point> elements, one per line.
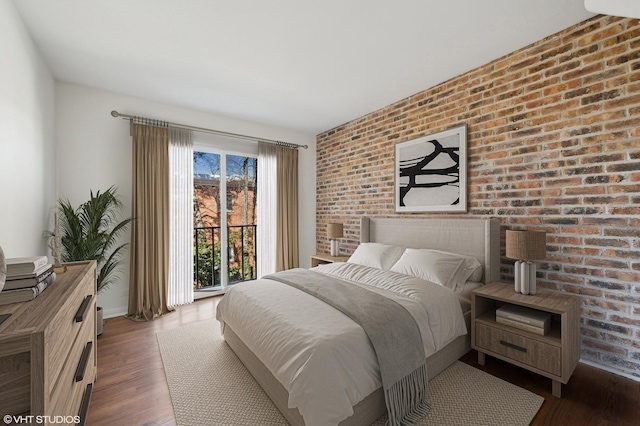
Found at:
<point>90,232</point>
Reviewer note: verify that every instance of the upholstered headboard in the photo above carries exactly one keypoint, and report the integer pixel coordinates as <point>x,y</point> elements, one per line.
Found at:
<point>479,238</point>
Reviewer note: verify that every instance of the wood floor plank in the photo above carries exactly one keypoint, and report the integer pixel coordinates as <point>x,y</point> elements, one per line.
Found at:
<point>132,389</point>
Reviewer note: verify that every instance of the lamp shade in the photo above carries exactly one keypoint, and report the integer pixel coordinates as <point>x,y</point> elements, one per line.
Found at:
<point>526,245</point>
<point>334,230</point>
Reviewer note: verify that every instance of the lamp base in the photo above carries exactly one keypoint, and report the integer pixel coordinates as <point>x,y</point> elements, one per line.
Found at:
<point>335,248</point>
<point>525,277</point>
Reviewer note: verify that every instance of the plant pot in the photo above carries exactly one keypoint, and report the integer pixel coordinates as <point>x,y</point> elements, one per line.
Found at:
<point>99,321</point>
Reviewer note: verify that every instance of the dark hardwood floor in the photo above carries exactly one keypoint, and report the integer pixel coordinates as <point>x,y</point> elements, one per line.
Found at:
<point>131,388</point>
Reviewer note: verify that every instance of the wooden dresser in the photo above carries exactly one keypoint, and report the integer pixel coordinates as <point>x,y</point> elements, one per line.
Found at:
<point>48,359</point>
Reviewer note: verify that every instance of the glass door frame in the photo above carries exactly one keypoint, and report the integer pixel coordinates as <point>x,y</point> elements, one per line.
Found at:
<point>224,234</point>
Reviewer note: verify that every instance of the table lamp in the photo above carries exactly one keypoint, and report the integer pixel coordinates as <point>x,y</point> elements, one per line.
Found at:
<point>525,246</point>
<point>334,231</point>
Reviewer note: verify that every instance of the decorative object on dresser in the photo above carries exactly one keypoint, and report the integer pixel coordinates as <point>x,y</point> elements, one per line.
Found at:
<point>27,293</point>
<point>335,231</point>
<point>26,278</point>
<point>553,355</point>
<point>431,173</point>
<point>25,265</point>
<point>525,246</point>
<point>56,246</point>
<point>48,349</point>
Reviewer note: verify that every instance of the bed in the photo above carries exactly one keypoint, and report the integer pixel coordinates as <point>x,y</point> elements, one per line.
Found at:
<point>246,335</point>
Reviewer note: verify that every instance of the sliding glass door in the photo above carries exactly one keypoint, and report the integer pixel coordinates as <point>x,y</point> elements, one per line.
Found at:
<point>241,179</point>
<point>224,218</point>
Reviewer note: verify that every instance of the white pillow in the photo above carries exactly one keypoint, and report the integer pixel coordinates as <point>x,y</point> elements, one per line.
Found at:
<point>376,255</point>
<point>471,263</point>
<point>446,269</point>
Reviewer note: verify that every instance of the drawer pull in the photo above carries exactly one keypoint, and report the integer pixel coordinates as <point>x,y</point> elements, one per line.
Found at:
<point>511,345</point>
<point>84,405</point>
<point>84,360</point>
<point>84,308</point>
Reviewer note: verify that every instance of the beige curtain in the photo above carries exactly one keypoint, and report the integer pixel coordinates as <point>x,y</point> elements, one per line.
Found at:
<point>287,209</point>
<point>150,229</point>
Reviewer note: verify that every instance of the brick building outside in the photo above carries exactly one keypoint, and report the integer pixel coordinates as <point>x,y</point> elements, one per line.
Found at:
<point>241,226</point>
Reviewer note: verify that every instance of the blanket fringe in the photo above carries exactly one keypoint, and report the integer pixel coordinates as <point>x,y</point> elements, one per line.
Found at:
<point>406,399</point>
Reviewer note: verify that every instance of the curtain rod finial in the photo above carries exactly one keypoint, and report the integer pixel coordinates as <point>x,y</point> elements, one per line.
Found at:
<point>115,113</point>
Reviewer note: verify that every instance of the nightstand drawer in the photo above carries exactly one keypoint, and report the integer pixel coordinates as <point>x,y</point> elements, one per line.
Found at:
<point>531,352</point>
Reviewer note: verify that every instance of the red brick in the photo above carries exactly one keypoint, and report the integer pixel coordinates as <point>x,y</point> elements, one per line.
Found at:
<point>595,36</point>
<point>605,347</point>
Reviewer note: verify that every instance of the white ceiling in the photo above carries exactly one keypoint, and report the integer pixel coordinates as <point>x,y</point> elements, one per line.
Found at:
<point>302,65</point>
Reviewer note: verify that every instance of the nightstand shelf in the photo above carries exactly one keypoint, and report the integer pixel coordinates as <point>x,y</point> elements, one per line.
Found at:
<point>319,259</point>
<point>553,355</point>
<point>553,337</point>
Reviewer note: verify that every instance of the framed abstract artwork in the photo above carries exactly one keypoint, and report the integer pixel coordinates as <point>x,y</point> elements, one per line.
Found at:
<point>431,173</point>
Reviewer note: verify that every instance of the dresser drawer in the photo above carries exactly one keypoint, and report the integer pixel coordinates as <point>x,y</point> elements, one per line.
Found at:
<point>67,390</point>
<point>72,404</point>
<point>528,351</point>
<point>64,330</point>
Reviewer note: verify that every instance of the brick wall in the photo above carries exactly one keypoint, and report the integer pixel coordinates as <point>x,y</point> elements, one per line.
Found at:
<point>553,144</point>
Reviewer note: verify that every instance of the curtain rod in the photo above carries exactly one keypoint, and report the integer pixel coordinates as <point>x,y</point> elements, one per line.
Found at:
<point>205,130</point>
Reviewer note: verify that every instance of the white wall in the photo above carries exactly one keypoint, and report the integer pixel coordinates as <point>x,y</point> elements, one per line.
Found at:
<point>94,152</point>
<point>27,144</point>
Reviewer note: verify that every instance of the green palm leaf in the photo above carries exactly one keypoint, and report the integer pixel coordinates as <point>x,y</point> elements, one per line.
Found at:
<point>91,232</point>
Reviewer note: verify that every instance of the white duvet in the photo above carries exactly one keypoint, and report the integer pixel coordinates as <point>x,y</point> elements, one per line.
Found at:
<point>323,358</point>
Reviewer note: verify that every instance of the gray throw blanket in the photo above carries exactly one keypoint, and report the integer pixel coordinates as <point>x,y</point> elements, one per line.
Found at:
<point>392,330</point>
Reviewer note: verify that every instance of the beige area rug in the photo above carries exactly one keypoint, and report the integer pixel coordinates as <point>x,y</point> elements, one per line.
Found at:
<point>210,386</point>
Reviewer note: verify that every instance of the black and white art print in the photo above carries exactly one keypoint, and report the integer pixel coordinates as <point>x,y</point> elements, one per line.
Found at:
<point>431,173</point>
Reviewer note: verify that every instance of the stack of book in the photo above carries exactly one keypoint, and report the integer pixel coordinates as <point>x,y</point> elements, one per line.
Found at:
<point>27,277</point>
<point>523,318</point>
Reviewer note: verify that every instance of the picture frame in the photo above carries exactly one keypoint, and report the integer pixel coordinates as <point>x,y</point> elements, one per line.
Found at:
<point>431,172</point>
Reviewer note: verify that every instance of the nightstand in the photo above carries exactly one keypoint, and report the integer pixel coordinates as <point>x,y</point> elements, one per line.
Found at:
<point>319,259</point>
<point>553,355</point>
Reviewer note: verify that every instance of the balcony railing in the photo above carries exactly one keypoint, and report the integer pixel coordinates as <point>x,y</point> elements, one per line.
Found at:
<point>241,255</point>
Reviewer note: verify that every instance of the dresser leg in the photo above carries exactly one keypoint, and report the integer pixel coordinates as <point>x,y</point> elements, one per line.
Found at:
<point>556,388</point>
<point>480,358</point>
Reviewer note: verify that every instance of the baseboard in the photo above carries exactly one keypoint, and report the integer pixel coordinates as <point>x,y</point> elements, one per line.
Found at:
<point>209,293</point>
<point>610,370</point>
<point>113,312</point>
